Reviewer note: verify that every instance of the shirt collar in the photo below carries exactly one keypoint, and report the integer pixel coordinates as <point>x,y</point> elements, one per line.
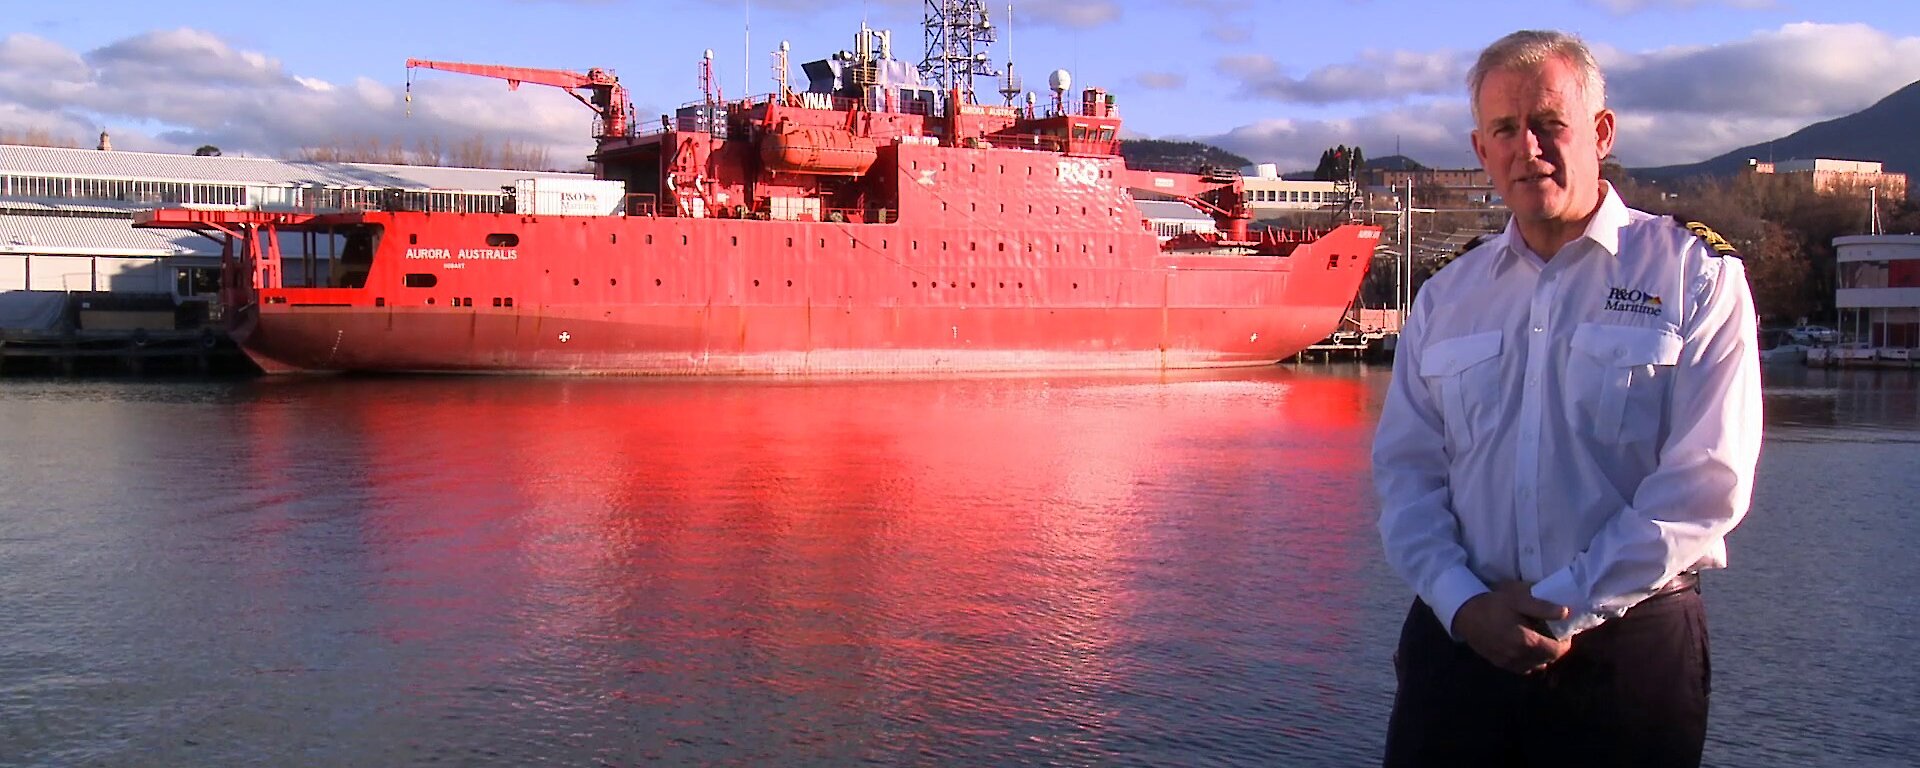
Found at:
<point>1603,229</point>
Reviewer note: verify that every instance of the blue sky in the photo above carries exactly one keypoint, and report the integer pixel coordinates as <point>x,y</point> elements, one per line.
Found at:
<point>1274,80</point>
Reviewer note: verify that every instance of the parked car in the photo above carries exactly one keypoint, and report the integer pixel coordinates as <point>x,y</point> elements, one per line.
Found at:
<point>1814,334</point>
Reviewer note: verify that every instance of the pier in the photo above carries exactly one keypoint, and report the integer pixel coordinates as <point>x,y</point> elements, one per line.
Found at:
<point>132,353</point>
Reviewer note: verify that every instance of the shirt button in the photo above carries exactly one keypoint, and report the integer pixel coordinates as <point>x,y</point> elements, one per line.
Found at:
<point>1528,551</point>
<point>1539,329</point>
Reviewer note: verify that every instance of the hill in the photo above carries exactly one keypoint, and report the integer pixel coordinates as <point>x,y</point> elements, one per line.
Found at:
<point>1882,132</point>
<point>1394,163</point>
<point>1177,156</point>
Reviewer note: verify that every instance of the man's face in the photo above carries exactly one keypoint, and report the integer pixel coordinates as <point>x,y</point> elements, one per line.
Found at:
<point>1541,141</point>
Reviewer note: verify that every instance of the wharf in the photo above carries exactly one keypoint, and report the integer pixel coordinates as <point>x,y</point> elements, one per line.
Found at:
<point>1351,345</point>
<point>106,352</point>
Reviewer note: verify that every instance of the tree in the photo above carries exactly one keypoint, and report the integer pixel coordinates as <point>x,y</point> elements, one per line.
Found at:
<point>476,151</point>
<point>1339,163</point>
<point>1782,227</point>
<point>37,137</point>
<point>207,150</point>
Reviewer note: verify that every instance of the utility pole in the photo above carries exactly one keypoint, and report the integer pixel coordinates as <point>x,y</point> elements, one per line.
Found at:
<point>1405,299</point>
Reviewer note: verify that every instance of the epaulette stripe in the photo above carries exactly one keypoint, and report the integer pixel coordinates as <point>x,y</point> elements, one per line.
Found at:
<point>1706,234</point>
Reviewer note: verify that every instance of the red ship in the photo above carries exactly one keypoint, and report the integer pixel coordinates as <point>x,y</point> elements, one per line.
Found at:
<point>873,222</point>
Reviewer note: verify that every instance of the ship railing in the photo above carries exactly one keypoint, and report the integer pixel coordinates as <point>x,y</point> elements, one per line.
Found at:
<point>1049,143</point>
<point>832,215</point>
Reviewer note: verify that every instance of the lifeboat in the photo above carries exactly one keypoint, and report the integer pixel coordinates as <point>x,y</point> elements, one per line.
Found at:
<point>825,151</point>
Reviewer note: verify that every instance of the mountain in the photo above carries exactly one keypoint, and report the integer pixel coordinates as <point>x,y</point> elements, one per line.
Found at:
<point>1882,132</point>
<point>1177,156</point>
<point>1394,163</point>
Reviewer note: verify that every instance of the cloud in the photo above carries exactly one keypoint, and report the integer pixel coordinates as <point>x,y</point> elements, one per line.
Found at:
<point>180,53</point>
<point>1800,70</point>
<point>178,89</point>
<point>1624,7</point>
<point>1374,76</point>
<point>1435,134</point>
<point>1676,105</point>
<point>1160,81</point>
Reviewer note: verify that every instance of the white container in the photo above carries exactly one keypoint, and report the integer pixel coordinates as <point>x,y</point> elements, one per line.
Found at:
<point>569,197</point>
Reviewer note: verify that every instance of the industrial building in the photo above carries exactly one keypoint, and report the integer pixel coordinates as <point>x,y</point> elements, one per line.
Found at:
<point>1828,176</point>
<point>1269,193</point>
<point>70,259</point>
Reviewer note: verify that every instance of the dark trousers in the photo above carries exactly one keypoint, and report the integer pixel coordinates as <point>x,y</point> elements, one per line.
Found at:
<point>1632,692</point>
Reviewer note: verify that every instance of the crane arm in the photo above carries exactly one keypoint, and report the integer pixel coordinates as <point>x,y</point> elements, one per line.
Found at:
<point>609,100</point>
<point>513,75</point>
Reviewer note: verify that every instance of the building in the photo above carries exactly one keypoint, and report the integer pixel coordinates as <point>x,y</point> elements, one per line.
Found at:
<point>66,220</point>
<point>1878,291</point>
<point>1431,186</point>
<point>1172,218</point>
<point>1839,176</point>
<point>1268,193</point>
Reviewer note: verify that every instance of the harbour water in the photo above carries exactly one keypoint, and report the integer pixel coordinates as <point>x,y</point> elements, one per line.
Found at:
<point>1112,570</point>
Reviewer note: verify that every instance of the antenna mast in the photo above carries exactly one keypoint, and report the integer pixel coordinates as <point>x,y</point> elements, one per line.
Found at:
<point>1010,86</point>
<point>958,33</point>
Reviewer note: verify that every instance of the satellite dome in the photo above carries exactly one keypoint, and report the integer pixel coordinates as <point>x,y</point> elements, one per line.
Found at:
<point>1059,81</point>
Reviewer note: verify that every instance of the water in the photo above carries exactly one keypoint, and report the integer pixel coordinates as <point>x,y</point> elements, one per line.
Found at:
<point>1123,570</point>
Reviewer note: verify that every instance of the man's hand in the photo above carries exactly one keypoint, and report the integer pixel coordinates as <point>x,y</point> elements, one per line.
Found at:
<point>1499,625</point>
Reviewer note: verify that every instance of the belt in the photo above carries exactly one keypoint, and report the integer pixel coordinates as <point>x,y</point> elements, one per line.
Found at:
<point>1684,581</point>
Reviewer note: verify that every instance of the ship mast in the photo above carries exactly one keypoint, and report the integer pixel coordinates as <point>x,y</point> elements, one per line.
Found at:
<point>1010,86</point>
<point>958,33</point>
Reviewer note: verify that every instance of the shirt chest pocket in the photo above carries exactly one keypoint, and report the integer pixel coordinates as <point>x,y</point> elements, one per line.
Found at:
<point>1463,375</point>
<point>1617,380</point>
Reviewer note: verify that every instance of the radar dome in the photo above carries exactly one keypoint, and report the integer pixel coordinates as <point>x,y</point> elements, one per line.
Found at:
<point>1059,81</point>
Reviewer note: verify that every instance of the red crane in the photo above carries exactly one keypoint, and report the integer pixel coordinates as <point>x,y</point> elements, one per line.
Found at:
<point>609,99</point>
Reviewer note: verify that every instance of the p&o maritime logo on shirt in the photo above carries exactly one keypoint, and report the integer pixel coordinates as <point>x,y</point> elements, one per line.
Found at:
<point>1632,300</point>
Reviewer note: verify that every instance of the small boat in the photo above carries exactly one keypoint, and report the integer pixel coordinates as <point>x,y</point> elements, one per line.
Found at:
<point>1779,347</point>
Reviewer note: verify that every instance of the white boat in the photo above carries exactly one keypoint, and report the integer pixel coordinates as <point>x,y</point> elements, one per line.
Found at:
<point>1818,357</point>
<point>1779,347</point>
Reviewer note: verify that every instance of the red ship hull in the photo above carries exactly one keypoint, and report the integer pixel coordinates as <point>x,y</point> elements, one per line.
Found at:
<point>847,307</point>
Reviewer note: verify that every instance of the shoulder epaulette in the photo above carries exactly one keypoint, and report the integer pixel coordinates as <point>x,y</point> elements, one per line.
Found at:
<point>1706,234</point>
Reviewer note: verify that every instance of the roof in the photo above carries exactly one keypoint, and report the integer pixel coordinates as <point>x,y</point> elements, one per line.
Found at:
<point>151,166</point>
<point>95,236</point>
<point>1170,210</point>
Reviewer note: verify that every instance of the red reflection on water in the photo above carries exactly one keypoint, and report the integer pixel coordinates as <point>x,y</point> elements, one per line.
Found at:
<point>897,544</point>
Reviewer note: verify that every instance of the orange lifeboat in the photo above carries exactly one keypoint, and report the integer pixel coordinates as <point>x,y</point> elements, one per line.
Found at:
<point>827,151</point>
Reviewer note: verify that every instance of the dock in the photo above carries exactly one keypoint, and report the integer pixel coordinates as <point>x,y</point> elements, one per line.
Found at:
<point>141,352</point>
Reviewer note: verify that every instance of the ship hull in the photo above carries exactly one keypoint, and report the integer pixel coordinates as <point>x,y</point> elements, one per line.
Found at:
<point>829,305</point>
<point>779,340</point>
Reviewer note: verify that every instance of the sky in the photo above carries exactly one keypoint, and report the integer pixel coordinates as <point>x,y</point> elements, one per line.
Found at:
<point>1273,80</point>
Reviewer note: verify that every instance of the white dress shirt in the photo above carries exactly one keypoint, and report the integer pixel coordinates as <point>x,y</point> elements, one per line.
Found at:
<point>1588,424</point>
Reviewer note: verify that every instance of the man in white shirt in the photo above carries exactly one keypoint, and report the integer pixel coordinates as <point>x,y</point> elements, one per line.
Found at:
<point>1570,434</point>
